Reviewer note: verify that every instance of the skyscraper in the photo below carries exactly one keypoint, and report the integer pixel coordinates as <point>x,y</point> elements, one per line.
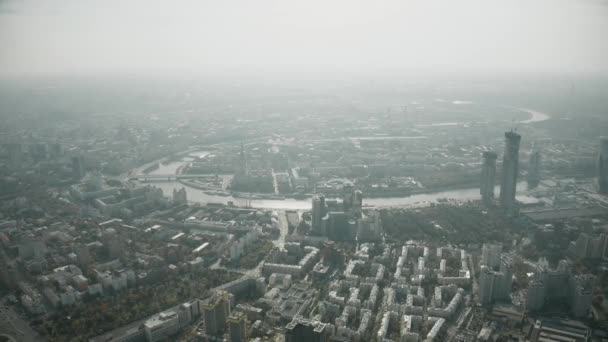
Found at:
<point>535,299</point>
<point>602,166</point>
<point>534,169</point>
<point>495,285</point>
<point>180,197</point>
<point>237,324</point>
<point>352,200</point>
<point>510,169</point>
<point>490,255</point>
<point>243,166</point>
<point>318,212</point>
<point>581,287</point>
<point>215,311</point>
<point>488,175</point>
<point>357,201</point>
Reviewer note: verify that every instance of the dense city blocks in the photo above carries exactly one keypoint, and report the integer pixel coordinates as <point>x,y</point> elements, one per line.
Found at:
<point>376,205</point>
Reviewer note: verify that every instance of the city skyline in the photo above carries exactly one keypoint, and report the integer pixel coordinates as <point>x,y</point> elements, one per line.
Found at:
<point>344,171</point>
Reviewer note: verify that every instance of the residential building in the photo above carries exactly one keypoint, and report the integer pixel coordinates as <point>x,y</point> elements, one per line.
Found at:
<point>237,324</point>
<point>490,255</point>
<point>215,311</point>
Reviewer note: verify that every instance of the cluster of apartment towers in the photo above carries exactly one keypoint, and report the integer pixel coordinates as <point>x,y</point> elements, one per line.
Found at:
<point>510,170</point>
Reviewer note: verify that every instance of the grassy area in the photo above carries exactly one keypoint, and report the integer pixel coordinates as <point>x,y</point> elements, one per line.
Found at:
<point>448,224</point>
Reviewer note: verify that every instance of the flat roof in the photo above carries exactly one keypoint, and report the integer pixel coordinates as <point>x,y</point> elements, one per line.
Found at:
<point>201,247</point>
<point>177,236</point>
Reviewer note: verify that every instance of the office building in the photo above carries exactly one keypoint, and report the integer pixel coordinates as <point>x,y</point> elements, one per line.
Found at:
<point>488,175</point>
<point>495,285</point>
<point>305,330</point>
<point>243,165</point>
<point>369,228</point>
<point>352,199</point>
<point>180,197</point>
<point>510,170</point>
<point>357,201</point>
<point>602,166</point>
<point>589,247</point>
<point>536,295</point>
<point>582,294</point>
<point>597,247</point>
<point>339,227</point>
<point>237,324</point>
<point>559,285</point>
<point>486,284</point>
<point>347,198</point>
<point>581,246</point>
<point>533,177</point>
<point>161,326</point>
<point>318,212</point>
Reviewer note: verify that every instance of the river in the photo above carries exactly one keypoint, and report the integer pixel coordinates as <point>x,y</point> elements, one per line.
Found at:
<point>535,116</point>
<point>419,200</point>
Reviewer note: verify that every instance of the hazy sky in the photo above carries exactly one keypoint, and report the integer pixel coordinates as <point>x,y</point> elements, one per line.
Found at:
<point>83,36</point>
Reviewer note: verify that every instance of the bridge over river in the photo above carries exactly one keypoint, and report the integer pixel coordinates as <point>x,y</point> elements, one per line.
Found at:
<point>164,177</point>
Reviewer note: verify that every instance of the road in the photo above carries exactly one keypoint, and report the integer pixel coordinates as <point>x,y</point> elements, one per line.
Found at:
<point>455,328</point>
<point>279,243</point>
<point>274,182</point>
<point>12,324</point>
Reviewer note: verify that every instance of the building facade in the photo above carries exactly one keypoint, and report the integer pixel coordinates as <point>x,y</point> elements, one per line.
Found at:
<point>488,176</point>
<point>533,177</point>
<point>510,171</point>
<point>490,255</point>
<point>237,324</point>
<point>602,166</point>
